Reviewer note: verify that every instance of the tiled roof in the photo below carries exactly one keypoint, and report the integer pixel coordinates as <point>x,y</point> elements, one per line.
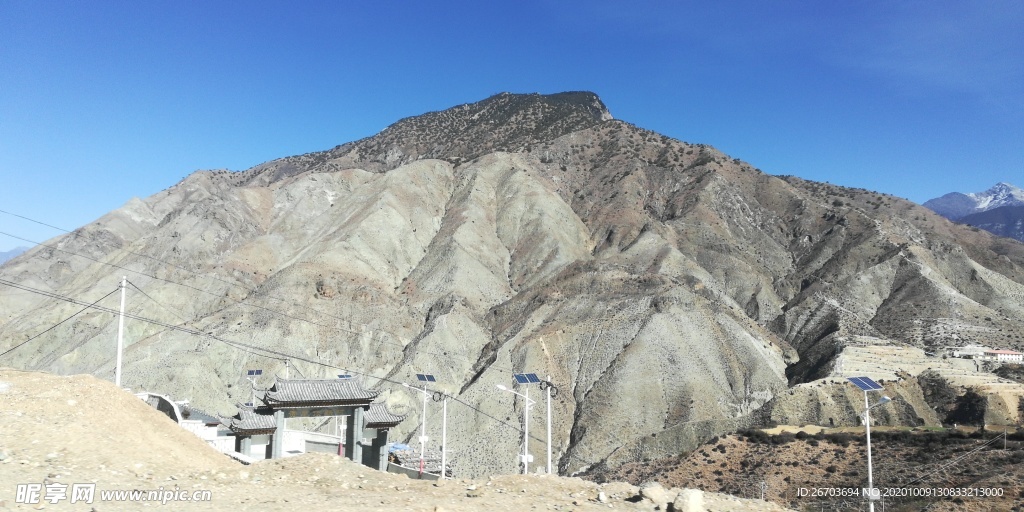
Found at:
<point>198,414</point>
<point>322,392</point>
<point>380,417</point>
<point>252,420</point>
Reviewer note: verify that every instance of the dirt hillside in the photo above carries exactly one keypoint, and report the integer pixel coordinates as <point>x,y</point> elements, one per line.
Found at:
<point>783,464</point>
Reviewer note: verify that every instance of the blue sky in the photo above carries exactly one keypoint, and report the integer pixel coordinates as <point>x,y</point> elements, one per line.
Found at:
<point>104,101</point>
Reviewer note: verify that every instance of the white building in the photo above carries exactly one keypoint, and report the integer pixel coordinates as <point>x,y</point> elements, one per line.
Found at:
<point>1004,356</point>
<point>971,351</point>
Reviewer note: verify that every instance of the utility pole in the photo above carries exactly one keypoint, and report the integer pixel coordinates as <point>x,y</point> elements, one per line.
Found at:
<point>120,334</point>
<point>444,438</point>
<point>526,432</point>
<point>548,390</point>
<point>423,432</point>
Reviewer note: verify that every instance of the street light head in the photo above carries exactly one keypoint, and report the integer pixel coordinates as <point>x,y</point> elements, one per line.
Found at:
<point>502,387</point>
<point>884,400</point>
<point>406,384</point>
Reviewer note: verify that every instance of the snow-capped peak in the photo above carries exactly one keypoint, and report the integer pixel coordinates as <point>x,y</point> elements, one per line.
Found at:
<point>1002,194</point>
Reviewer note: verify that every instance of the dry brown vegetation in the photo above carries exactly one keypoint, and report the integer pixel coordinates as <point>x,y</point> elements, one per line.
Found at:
<point>738,464</point>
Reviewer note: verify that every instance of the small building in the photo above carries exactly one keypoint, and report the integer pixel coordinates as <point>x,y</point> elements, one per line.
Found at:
<point>970,351</point>
<point>1004,356</point>
<point>253,427</point>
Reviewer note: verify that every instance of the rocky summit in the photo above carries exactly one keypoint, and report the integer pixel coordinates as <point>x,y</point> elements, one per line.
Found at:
<point>670,292</point>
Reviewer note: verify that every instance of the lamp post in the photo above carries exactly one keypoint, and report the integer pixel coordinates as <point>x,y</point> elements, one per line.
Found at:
<point>866,384</point>
<point>423,430</point>
<point>867,429</point>
<point>424,378</point>
<point>120,334</point>
<point>526,425</point>
<point>443,398</point>
<point>251,376</point>
<point>549,388</point>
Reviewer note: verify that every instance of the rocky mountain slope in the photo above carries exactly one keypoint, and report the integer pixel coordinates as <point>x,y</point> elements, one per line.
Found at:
<point>1005,221</point>
<point>998,210</point>
<point>670,292</point>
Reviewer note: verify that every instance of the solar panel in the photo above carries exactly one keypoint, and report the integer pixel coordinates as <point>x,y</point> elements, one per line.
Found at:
<point>431,378</point>
<point>253,373</point>
<point>425,377</point>
<point>526,378</point>
<point>344,376</point>
<point>865,383</point>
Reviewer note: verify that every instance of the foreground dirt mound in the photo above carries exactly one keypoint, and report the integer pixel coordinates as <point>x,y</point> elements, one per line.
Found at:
<point>82,430</point>
<point>83,422</point>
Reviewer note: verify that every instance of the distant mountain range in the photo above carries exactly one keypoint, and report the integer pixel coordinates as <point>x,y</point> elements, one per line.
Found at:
<point>999,210</point>
<point>11,254</point>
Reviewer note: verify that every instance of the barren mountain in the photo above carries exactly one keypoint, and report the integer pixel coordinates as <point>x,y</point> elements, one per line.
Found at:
<point>671,293</point>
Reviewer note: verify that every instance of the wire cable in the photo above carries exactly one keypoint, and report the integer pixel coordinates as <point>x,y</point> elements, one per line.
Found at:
<point>953,462</point>
<point>158,260</point>
<point>169,310</point>
<point>54,326</point>
<point>240,345</point>
<point>263,308</point>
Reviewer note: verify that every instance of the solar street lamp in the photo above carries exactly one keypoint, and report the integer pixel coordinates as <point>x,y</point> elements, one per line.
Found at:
<point>424,378</point>
<point>251,376</point>
<point>866,384</point>
<point>525,379</point>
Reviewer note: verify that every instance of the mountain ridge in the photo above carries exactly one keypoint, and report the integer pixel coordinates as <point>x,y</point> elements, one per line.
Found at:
<point>568,244</point>
<point>1003,200</point>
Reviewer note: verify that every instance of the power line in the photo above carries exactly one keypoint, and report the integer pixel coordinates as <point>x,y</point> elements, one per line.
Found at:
<point>245,347</point>
<point>157,303</point>
<point>54,326</point>
<point>200,290</point>
<point>954,461</point>
<point>243,302</point>
<point>158,260</point>
<point>33,220</point>
<point>240,302</point>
